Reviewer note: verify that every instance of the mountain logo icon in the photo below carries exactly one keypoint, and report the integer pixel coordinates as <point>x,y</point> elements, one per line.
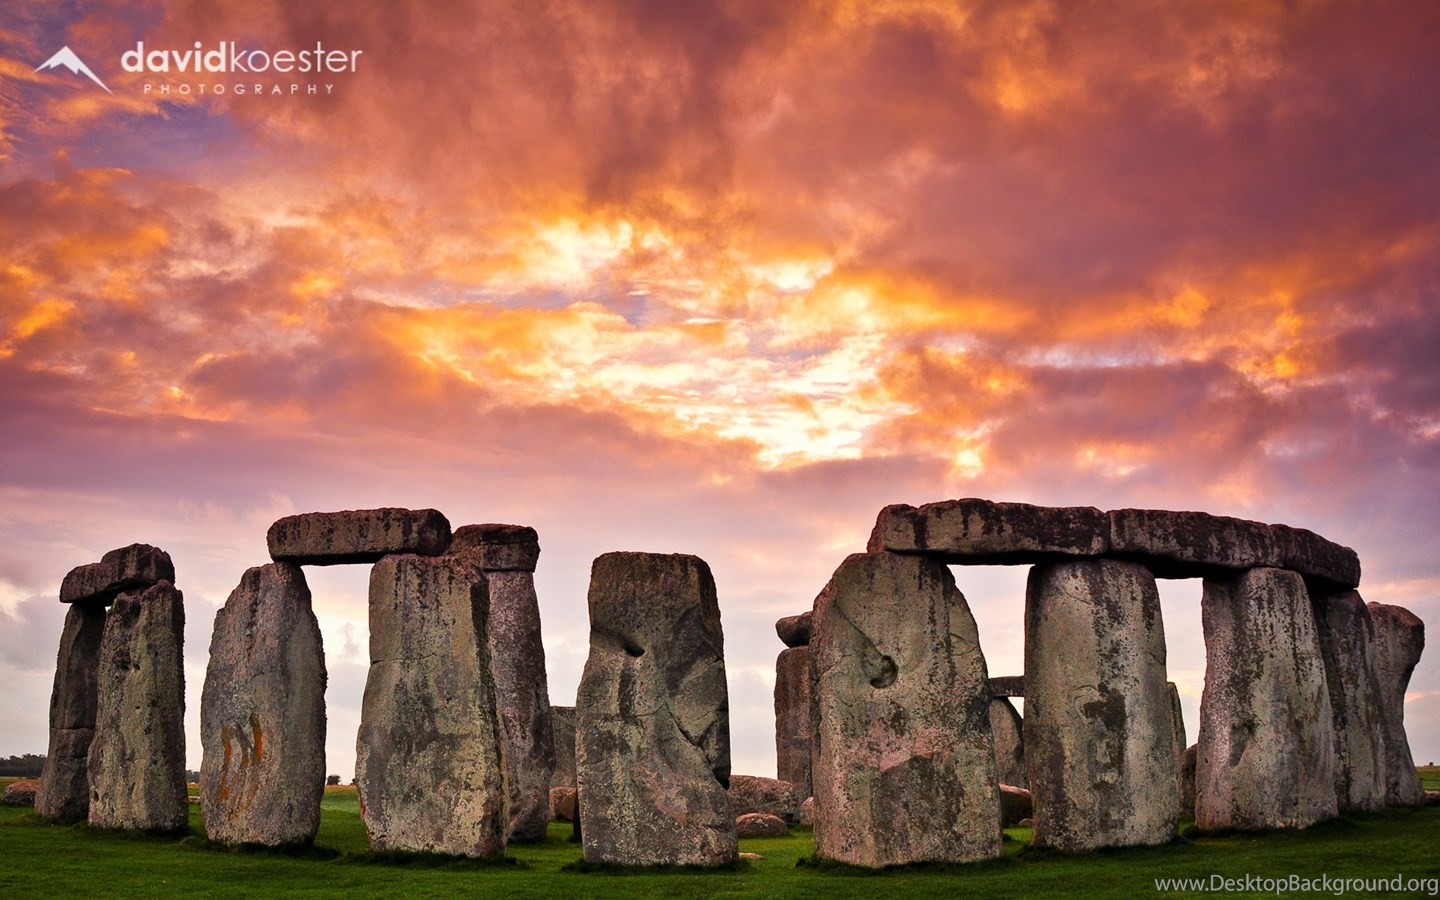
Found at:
<point>67,58</point>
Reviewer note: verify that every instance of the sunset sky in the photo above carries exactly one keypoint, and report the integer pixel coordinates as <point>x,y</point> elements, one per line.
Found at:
<point>721,279</point>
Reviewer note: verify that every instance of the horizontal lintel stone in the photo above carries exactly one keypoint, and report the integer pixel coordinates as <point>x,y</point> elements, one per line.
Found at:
<point>499,548</point>
<point>982,532</point>
<point>357,536</point>
<point>1007,686</point>
<point>1192,544</point>
<point>122,569</point>
<point>795,631</point>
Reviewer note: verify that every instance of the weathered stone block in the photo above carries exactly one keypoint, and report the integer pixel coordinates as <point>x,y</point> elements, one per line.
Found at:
<point>565,803</point>
<point>1266,755</point>
<point>794,631</point>
<point>123,569</point>
<point>905,768</point>
<point>794,718</point>
<point>759,824</point>
<point>64,791</point>
<point>980,532</point>
<point>1399,641</point>
<point>429,761</point>
<point>1099,731</point>
<point>752,793</point>
<point>653,716</point>
<point>562,726</point>
<point>1178,741</point>
<point>1007,728</point>
<point>1007,686</point>
<point>1347,642</point>
<point>1327,566</point>
<point>1187,783</point>
<point>1192,544</point>
<point>357,536</point>
<point>499,548</point>
<point>262,714</point>
<point>1016,805</point>
<point>137,759</point>
<point>20,793</point>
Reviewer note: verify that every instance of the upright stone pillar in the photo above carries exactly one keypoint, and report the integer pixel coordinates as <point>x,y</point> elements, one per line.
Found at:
<point>653,716</point>
<point>1266,755</point>
<point>1008,730</point>
<point>508,555</point>
<point>137,759</point>
<point>905,767</point>
<point>794,718</point>
<point>1347,643</point>
<point>1399,641</point>
<point>1177,731</point>
<point>562,720</point>
<point>429,760</point>
<point>64,791</point>
<point>262,714</point>
<point>1099,726</point>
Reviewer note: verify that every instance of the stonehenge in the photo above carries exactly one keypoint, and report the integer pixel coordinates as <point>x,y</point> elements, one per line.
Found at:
<point>891,737</point>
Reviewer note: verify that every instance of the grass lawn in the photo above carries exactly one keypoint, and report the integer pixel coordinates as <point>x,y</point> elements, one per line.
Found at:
<point>41,860</point>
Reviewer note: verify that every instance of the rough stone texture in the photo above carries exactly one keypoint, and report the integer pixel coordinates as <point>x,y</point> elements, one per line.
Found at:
<point>507,554</point>
<point>1266,755</point>
<point>905,768</point>
<point>759,824</point>
<point>1187,783</point>
<point>1347,642</point>
<point>1432,798</point>
<point>562,723</point>
<point>429,762</point>
<point>1177,734</point>
<point>981,532</point>
<point>357,536</point>
<point>1016,805</point>
<point>565,803</point>
<point>807,812</point>
<point>135,566</point>
<point>1008,730</point>
<point>1327,566</point>
<point>1099,732</point>
<point>794,718</point>
<point>499,548</point>
<point>794,631</point>
<point>262,714</point>
<point>20,793</point>
<point>137,759</point>
<point>1007,686</point>
<point>751,793</point>
<point>1191,544</point>
<point>64,784</point>
<point>1399,641</point>
<point>653,716</point>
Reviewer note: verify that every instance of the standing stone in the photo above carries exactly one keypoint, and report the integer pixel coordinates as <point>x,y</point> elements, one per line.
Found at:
<point>1187,783</point>
<point>262,714</point>
<point>653,716</point>
<point>562,720</point>
<point>137,759</point>
<point>1177,734</point>
<point>1399,641</point>
<point>1099,728</point>
<point>508,555</point>
<point>1347,642</point>
<point>1008,729</point>
<point>794,718</point>
<point>1266,756</point>
<point>429,761</point>
<point>64,786</point>
<point>905,767</point>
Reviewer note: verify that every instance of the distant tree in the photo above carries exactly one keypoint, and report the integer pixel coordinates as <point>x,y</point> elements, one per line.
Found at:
<point>332,779</point>
<point>28,766</point>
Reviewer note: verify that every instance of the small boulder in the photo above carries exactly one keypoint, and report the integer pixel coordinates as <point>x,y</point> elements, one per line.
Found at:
<point>21,793</point>
<point>795,631</point>
<point>751,794</point>
<point>565,803</point>
<point>760,825</point>
<point>1015,805</point>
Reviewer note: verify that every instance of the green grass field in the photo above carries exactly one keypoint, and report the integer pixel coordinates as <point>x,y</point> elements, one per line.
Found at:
<point>42,860</point>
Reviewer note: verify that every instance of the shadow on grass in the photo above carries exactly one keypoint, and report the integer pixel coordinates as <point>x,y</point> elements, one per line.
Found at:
<point>581,867</point>
<point>292,851</point>
<point>836,867</point>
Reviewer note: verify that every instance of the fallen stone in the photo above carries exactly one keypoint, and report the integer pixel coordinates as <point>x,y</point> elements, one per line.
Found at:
<point>64,791</point>
<point>1399,641</point>
<point>508,554</point>
<point>1007,728</point>
<point>807,812</point>
<point>750,856</point>
<point>136,763</point>
<point>357,536</point>
<point>1016,805</point>
<point>20,793</point>
<point>759,824</point>
<point>1007,686</point>
<point>1347,642</point>
<point>653,716</point>
<point>904,771</point>
<point>751,794</point>
<point>1099,730</point>
<point>1328,567</point>
<point>562,721</point>
<point>565,803</point>
<point>135,566</point>
<point>1192,544</point>
<point>262,714</point>
<point>429,766</point>
<point>1266,755</point>
<point>794,631</point>
<point>981,532</point>
<point>499,548</point>
<point>1025,823</point>
<point>1187,783</point>
<point>794,718</point>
